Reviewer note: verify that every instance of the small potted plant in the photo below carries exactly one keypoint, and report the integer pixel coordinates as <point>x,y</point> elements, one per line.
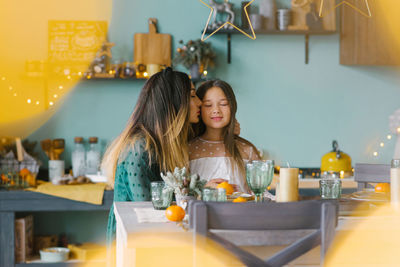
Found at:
<point>196,56</point>
<point>184,184</point>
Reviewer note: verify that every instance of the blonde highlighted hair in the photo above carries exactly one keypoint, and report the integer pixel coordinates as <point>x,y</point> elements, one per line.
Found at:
<point>161,120</point>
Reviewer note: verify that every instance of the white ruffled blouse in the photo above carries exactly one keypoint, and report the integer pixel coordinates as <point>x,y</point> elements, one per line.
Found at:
<point>208,159</point>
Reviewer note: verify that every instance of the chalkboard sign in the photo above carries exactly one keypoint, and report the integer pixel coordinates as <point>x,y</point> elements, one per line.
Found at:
<point>72,45</point>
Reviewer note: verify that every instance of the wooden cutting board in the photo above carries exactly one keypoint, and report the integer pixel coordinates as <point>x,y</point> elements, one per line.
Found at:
<point>152,47</point>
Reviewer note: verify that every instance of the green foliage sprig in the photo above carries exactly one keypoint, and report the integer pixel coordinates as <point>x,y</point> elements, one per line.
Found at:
<point>195,52</point>
<point>183,183</point>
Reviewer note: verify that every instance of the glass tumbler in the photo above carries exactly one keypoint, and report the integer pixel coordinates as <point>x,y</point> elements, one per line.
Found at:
<point>210,194</point>
<point>221,195</point>
<point>330,188</point>
<point>161,195</point>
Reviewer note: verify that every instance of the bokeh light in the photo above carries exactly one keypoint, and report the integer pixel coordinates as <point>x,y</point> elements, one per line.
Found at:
<point>166,248</point>
<point>27,69</point>
<point>371,240</point>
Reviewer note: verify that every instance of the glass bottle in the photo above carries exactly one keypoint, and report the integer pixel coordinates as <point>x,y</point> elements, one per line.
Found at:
<point>93,156</point>
<point>78,157</point>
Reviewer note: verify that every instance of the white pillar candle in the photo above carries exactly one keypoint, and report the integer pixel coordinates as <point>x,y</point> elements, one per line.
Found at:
<point>395,184</point>
<point>288,185</point>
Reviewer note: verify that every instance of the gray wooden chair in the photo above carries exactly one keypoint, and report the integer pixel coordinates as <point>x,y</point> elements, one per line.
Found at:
<point>314,214</point>
<point>371,173</point>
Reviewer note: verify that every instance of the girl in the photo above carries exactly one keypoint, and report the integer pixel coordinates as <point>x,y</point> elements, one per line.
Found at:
<point>217,154</point>
<point>154,139</point>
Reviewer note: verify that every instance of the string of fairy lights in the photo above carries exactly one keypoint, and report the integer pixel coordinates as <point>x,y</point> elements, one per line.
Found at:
<point>381,144</point>
<point>30,100</point>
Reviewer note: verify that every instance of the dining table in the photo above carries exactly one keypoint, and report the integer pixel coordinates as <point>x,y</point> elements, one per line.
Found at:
<point>139,242</point>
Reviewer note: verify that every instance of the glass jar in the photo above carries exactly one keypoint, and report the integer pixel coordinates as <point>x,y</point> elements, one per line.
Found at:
<point>116,68</point>
<point>128,70</point>
<point>78,157</point>
<point>210,194</point>
<point>330,188</point>
<point>161,195</point>
<point>93,156</point>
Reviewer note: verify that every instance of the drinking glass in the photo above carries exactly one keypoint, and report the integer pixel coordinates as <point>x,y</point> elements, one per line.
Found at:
<point>161,195</point>
<point>259,174</point>
<point>221,195</point>
<point>330,188</point>
<point>210,194</point>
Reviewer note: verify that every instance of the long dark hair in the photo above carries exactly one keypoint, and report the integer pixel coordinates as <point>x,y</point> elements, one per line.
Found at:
<point>161,117</point>
<point>230,139</point>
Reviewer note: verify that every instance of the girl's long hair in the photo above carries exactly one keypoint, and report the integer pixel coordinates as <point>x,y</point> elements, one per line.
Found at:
<point>161,119</point>
<point>230,139</point>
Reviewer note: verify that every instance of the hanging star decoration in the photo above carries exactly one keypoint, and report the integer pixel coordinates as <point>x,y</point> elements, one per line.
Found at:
<point>366,14</point>
<point>253,36</point>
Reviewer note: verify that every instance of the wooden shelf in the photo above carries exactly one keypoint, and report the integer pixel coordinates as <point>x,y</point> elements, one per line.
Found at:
<point>68,263</point>
<point>195,81</point>
<point>113,79</point>
<point>286,32</point>
<point>52,264</point>
<point>306,34</point>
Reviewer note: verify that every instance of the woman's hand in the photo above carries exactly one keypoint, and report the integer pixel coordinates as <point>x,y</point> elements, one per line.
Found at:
<point>235,187</point>
<point>236,130</point>
<point>214,182</point>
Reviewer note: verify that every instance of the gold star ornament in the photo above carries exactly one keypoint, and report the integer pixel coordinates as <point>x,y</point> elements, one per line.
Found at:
<point>365,11</point>
<point>253,36</point>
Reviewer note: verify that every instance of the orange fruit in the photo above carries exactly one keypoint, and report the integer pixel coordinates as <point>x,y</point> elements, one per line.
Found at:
<point>31,180</point>
<point>382,188</point>
<point>228,187</point>
<point>4,178</point>
<point>24,172</point>
<point>175,213</point>
<point>240,199</point>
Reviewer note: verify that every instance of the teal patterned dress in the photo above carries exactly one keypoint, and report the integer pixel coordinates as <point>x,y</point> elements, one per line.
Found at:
<point>132,181</point>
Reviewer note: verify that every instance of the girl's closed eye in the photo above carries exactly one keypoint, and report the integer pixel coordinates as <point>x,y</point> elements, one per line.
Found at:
<point>207,104</point>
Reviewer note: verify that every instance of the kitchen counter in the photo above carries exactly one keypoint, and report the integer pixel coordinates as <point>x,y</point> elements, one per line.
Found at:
<point>309,183</point>
<point>25,201</point>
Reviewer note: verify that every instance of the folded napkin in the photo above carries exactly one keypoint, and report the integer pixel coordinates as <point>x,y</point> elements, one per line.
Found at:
<point>145,215</point>
<point>90,193</point>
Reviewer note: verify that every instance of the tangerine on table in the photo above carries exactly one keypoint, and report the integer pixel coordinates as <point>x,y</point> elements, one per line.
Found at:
<point>228,187</point>
<point>240,199</point>
<point>175,213</point>
<point>382,188</point>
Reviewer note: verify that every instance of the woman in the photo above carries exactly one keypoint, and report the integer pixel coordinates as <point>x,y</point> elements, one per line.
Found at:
<point>217,154</point>
<point>154,139</point>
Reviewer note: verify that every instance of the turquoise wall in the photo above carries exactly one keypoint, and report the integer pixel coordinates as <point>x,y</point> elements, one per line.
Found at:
<point>291,110</point>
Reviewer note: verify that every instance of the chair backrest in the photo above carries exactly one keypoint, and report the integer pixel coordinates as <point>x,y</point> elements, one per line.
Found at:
<point>371,173</point>
<point>314,214</point>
